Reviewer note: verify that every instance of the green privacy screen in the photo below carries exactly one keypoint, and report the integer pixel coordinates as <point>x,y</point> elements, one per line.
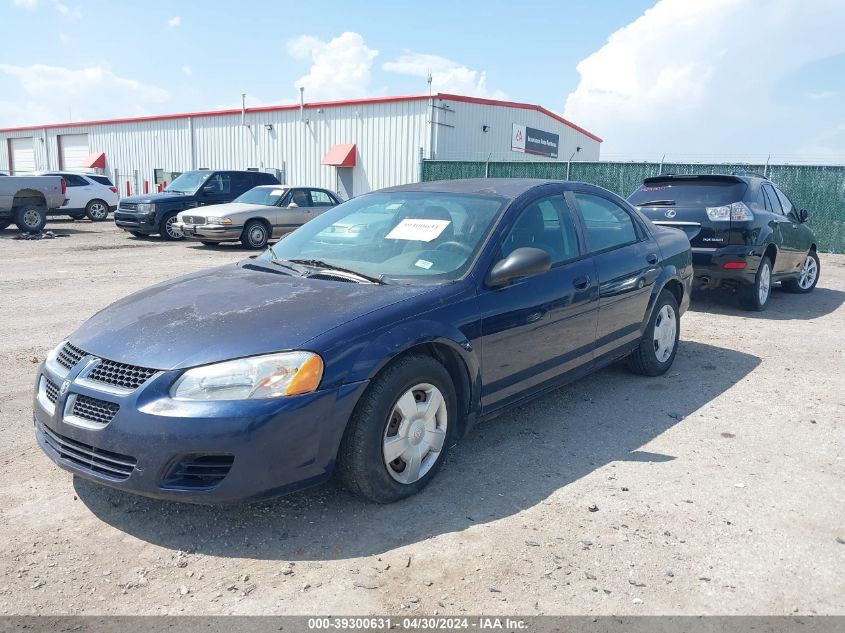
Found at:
<point>818,188</point>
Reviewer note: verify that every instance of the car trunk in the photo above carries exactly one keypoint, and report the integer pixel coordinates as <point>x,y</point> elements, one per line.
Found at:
<point>682,201</point>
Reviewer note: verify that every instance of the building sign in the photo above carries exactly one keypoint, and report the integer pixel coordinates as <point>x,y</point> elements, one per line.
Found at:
<point>530,140</point>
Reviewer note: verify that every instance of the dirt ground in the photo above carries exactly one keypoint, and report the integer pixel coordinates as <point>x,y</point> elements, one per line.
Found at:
<point>720,487</point>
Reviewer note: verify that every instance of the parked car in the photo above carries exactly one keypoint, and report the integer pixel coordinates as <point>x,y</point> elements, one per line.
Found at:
<point>88,195</point>
<point>265,376</point>
<point>745,232</point>
<point>149,214</point>
<point>262,213</point>
<point>26,200</point>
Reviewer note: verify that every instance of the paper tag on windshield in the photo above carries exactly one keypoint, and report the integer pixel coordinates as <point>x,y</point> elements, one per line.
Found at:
<point>423,263</point>
<point>418,230</point>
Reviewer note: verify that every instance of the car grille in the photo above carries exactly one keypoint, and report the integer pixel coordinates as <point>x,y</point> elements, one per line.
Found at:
<point>193,219</point>
<point>94,409</point>
<point>51,390</point>
<point>199,472</point>
<point>89,458</point>
<point>120,374</point>
<point>69,356</point>
<point>128,206</point>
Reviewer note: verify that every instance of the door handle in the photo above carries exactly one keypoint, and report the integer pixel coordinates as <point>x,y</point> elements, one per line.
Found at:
<point>581,282</point>
<point>651,258</point>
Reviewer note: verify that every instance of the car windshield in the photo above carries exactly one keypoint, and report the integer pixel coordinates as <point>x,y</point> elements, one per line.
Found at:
<point>189,182</point>
<point>708,193</point>
<point>397,237</point>
<point>268,196</point>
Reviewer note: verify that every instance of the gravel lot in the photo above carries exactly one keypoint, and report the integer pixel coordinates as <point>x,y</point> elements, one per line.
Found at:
<point>720,487</point>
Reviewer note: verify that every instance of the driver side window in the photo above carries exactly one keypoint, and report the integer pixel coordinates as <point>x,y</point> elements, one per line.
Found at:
<point>544,224</point>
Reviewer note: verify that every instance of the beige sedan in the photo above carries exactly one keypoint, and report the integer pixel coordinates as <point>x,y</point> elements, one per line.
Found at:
<point>257,216</point>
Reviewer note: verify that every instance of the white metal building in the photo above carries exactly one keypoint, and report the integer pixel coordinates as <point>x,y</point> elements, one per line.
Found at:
<point>348,146</point>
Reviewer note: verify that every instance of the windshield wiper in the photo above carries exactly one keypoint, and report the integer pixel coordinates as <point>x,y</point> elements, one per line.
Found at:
<point>657,203</point>
<point>284,263</point>
<point>318,263</point>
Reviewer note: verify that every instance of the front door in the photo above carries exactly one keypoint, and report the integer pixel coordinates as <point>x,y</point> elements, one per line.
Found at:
<point>539,327</point>
<point>626,259</point>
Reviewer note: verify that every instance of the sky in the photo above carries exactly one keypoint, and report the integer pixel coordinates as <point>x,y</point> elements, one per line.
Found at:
<point>689,79</point>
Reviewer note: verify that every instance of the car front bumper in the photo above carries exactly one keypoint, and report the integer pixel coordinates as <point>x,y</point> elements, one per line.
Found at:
<point>138,222</point>
<point>210,232</point>
<point>709,265</point>
<point>274,446</point>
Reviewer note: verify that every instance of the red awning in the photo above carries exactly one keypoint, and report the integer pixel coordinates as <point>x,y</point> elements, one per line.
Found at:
<point>340,156</point>
<point>97,160</point>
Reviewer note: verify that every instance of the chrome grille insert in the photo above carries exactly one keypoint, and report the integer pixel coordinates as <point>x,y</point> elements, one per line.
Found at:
<point>193,219</point>
<point>90,458</point>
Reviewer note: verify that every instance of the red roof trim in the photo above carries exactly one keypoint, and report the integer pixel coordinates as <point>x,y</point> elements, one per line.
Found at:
<point>318,104</point>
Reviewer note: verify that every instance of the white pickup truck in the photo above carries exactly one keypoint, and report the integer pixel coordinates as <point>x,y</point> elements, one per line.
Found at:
<point>25,200</point>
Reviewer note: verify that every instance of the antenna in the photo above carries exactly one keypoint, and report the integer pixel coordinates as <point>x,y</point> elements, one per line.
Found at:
<point>429,79</point>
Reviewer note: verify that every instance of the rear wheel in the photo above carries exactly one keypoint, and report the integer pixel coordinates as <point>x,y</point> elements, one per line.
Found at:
<point>659,343</point>
<point>97,210</point>
<point>168,231</point>
<point>399,434</point>
<point>808,277</point>
<point>30,218</point>
<point>755,296</point>
<point>255,234</point>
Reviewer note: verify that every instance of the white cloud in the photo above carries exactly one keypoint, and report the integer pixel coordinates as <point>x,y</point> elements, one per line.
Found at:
<point>697,77</point>
<point>187,70</point>
<point>29,4</point>
<point>340,68</point>
<point>446,75</point>
<point>822,94</point>
<point>174,21</point>
<point>68,12</point>
<point>43,94</point>
<point>64,38</point>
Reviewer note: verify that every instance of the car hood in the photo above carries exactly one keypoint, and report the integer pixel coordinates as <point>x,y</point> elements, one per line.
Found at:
<point>233,311</point>
<point>230,208</point>
<point>156,197</point>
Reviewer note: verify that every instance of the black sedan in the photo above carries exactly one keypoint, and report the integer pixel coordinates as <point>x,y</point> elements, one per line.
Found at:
<point>745,232</point>
<point>361,357</point>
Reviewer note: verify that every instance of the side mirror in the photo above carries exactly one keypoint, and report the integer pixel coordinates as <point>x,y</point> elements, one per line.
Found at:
<point>523,262</point>
<point>293,205</point>
<point>208,189</point>
<point>803,215</point>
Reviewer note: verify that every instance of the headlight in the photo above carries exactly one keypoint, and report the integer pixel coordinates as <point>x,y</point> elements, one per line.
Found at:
<point>215,220</point>
<point>145,207</point>
<point>270,376</point>
<point>358,228</point>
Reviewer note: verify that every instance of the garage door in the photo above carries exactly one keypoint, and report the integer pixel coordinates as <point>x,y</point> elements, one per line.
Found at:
<point>22,155</point>
<point>74,150</point>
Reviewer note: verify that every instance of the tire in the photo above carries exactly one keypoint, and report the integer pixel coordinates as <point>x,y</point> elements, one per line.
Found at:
<point>76,216</point>
<point>30,218</point>
<point>167,231</point>
<point>362,464</point>
<point>755,297</point>
<point>809,276</point>
<point>255,235</point>
<point>97,210</point>
<point>654,356</point>
<point>4,224</point>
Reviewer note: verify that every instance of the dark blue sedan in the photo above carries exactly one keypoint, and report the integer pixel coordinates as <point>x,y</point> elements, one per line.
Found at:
<point>368,355</point>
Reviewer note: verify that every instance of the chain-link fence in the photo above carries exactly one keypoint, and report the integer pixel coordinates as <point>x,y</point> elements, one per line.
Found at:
<point>818,188</point>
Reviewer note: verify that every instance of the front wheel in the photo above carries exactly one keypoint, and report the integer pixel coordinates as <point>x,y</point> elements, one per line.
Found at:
<point>31,219</point>
<point>659,343</point>
<point>808,278</point>
<point>97,210</point>
<point>399,433</point>
<point>255,234</point>
<point>168,231</point>
<point>755,296</point>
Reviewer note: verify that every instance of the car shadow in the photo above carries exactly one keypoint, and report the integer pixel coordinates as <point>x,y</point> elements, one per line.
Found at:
<point>783,305</point>
<point>504,466</point>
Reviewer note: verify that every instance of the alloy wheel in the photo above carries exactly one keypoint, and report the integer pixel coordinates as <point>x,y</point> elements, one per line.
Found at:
<point>98,210</point>
<point>415,433</point>
<point>172,232</point>
<point>764,284</point>
<point>31,218</point>
<point>665,330</point>
<point>808,273</point>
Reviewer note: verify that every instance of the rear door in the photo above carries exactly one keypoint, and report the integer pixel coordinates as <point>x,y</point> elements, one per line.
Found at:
<point>627,261</point>
<point>682,202</point>
<point>797,239</point>
<point>321,201</point>
<point>78,190</point>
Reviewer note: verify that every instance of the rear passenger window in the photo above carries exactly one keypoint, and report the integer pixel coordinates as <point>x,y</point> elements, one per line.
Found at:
<point>321,198</point>
<point>544,224</point>
<point>242,182</point>
<point>771,199</point>
<point>608,225</point>
<point>784,201</point>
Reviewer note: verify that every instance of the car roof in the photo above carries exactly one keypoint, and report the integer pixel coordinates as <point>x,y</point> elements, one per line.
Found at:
<point>505,187</point>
